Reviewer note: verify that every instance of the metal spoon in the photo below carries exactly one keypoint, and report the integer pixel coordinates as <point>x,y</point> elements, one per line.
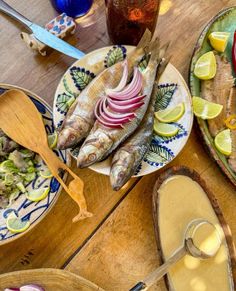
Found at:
<point>188,248</point>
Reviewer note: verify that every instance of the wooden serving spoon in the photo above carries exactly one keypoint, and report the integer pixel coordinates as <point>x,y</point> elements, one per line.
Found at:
<point>22,122</point>
<point>188,248</point>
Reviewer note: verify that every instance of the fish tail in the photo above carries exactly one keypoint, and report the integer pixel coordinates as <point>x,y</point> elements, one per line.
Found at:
<point>145,40</point>
<point>155,53</point>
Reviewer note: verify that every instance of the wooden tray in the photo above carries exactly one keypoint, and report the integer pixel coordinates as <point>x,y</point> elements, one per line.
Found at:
<point>49,279</point>
<point>181,170</point>
<point>223,21</point>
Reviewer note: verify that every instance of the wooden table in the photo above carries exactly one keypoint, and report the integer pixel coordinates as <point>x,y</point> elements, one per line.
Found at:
<point>116,247</point>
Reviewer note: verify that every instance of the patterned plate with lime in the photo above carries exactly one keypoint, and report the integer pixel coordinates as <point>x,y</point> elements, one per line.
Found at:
<point>172,91</point>
<point>28,190</point>
<point>220,28</point>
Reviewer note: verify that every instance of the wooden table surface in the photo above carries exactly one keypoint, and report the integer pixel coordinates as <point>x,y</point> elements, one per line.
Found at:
<point>116,247</point>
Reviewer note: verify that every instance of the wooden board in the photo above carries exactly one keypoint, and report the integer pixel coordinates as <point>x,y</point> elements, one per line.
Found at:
<point>49,279</point>
<point>180,170</point>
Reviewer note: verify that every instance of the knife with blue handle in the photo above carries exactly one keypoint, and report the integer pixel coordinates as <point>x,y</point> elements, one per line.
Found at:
<point>42,34</point>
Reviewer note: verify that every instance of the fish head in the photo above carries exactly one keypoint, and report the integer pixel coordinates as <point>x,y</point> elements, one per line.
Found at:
<point>121,169</point>
<point>68,138</point>
<point>93,149</point>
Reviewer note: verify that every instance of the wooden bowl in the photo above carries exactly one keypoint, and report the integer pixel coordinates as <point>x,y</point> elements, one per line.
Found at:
<point>181,170</point>
<point>49,279</point>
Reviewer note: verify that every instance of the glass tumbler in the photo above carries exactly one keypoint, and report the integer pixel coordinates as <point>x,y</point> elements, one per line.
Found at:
<point>73,8</point>
<point>128,19</point>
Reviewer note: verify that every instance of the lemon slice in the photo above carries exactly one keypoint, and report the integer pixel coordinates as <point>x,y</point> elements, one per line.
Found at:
<point>165,129</point>
<point>205,109</point>
<point>45,173</point>
<point>37,194</point>
<point>219,40</point>
<point>205,67</point>
<point>15,224</point>
<point>52,140</point>
<point>223,142</point>
<point>170,114</point>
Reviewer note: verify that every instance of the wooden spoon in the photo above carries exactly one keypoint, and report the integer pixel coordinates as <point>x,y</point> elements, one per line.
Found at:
<point>22,122</point>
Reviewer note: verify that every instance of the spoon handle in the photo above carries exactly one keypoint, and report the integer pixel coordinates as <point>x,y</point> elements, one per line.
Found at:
<point>160,271</point>
<point>74,188</point>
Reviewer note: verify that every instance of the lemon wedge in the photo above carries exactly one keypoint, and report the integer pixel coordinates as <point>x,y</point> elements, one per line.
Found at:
<point>45,173</point>
<point>170,114</point>
<point>205,67</point>
<point>219,40</point>
<point>37,194</point>
<point>15,224</point>
<point>52,140</point>
<point>223,142</point>
<point>165,129</point>
<point>205,109</point>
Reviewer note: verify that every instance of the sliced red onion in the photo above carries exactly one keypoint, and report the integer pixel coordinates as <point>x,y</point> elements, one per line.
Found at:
<point>114,120</point>
<point>108,124</point>
<point>132,89</point>
<point>31,287</point>
<point>12,289</point>
<point>129,101</point>
<point>123,80</point>
<point>112,114</point>
<point>124,109</point>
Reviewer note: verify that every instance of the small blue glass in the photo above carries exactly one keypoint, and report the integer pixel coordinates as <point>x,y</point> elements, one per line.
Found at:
<point>73,8</point>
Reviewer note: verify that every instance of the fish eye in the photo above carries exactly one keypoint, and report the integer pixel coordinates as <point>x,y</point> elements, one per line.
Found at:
<point>72,137</point>
<point>92,157</point>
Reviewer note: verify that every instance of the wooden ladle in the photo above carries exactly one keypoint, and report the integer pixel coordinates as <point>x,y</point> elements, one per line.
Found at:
<point>189,247</point>
<point>22,122</point>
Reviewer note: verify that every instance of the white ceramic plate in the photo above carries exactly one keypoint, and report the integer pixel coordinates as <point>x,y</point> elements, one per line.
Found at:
<point>172,91</point>
<point>23,208</point>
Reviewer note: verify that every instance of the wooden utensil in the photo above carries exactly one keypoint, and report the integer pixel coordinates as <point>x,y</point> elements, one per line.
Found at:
<point>187,248</point>
<point>49,279</point>
<point>22,122</point>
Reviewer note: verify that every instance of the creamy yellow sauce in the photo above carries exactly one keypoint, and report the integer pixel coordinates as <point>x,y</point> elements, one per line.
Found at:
<point>182,200</point>
<point>206,238</point>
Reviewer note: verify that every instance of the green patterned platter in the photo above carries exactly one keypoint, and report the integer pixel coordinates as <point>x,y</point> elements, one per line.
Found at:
<point>172,90</point>
<point>223,21</point>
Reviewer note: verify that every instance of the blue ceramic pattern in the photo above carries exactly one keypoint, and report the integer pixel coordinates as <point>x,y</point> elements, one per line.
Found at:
<point>22,207</point>
<point>116,54</point>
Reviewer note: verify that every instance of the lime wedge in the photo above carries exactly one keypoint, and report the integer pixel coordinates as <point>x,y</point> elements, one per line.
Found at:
<point>165,129</point>
<point>219,40</point>
<point>223,142</point>
<point>15,224</point>
<point>37,194</point>
<point>205,109</point>
<point>205,67</point>
<point>45,173</point>
<point>52,140</point>
<point>170,114</point>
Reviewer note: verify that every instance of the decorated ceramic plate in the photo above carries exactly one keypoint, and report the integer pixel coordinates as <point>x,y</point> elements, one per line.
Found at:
<point>172,91</point>
<point>22,207</point>
<point>224,21</point>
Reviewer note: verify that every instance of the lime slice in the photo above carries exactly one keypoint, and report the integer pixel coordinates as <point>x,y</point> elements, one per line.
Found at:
<point>205,67</point>
<point>45,173</point>
<point>205,109</point>
<point>170,114</point>
<point>52,140</point>
<point>37,194</point>
<point>165,129</point>
<point>15,224</point>
<point>223,142</point>
<point>219,40</point>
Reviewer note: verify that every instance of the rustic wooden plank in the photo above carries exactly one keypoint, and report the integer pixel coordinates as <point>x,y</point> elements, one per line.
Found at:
<point>56,238</point>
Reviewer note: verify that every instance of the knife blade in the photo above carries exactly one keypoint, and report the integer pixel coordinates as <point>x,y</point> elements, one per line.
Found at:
<point>55,42</point>
<point>42,34</point>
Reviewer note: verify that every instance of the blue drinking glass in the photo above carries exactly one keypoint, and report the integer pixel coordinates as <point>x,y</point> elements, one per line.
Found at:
<point>73,8</point>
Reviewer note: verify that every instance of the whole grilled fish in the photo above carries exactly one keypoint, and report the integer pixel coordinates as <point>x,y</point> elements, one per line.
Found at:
<point>103,140</point>
<point>217,90</point>
<point>231,109</point>
<point>80,119</point>
<point>131,153</point>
